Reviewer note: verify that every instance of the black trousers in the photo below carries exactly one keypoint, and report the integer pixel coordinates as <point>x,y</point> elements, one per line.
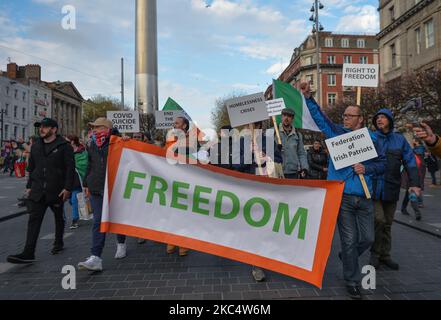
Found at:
<point>37,210</point>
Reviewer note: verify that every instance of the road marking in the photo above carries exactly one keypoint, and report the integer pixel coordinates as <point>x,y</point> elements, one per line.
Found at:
<point>1,197</point>
<point>428,195</point>
<point>51,236</point>
<point>5,267</point>
<point>436,225</point>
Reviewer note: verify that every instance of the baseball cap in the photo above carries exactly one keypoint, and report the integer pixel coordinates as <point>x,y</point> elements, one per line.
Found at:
<point>46,122</point>
<point>288,112</point>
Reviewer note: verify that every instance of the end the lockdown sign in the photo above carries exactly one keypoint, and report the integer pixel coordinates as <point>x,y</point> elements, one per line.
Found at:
<point>351,148</point>
<point>281,225</point>
<point>360,75</point>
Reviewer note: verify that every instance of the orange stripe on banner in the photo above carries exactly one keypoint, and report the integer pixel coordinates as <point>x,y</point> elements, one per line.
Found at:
<point>334,192</point>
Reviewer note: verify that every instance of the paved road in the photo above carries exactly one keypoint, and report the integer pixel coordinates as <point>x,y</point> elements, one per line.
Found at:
<point>149,273</point>
<point>10,190</point>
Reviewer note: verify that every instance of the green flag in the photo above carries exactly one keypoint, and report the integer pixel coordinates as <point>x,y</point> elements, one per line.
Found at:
<point>172,105</point>
<point>295,101</point>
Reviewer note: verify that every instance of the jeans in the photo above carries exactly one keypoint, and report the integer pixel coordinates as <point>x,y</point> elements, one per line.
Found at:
<point>356,229</point>
<point>98,238</point>
<point>384,216</point>
<point>73,201</point>
<point>433,174</point>
<point>37,211</point>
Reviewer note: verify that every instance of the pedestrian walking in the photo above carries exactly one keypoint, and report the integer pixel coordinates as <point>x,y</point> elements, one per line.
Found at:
<point>94,181</point>
<point>51,168</point>
<point>387,186</point>
<point>432,166</point>
<point>356,216</point>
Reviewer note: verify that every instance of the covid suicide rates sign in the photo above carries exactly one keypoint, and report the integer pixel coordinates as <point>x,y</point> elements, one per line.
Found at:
<point>282,225</point>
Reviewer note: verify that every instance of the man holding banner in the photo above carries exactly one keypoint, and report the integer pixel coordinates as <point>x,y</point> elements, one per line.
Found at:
<point>356,216</point>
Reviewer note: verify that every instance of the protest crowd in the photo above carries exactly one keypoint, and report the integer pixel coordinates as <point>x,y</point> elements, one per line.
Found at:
<point>68,169</point>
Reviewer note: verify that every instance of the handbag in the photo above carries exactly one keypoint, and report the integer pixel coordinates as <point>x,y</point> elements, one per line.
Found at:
<point>83,207</point>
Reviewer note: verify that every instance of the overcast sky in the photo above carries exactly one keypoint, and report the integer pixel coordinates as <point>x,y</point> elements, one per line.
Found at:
<point>204,53</point>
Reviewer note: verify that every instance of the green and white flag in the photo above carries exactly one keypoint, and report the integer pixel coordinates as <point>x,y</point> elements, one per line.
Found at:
<point>295,101</point>
<point>172,105</point>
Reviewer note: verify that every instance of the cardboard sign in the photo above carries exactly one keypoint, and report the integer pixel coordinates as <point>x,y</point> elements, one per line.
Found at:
<point>124,121</point>
<point>246,110</point>
<point>166,119</point>
<point>351,148</point>
<point>360,75</point>
<point>275,107</point>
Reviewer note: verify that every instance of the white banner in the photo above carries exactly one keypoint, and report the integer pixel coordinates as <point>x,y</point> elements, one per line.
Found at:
<point>351,148</point>
<point>282,225</point>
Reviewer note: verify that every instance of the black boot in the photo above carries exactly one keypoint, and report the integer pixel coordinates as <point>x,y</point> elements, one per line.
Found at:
<point>21,258</point>
<point>390,264</point>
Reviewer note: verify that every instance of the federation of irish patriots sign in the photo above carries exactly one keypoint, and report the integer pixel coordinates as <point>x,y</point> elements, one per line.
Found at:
<point>281,225</point>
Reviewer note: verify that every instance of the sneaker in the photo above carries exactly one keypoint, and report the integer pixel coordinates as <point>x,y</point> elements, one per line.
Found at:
<point>353,292</point>
<point>121,251</point>
<point>74,226</point>
<point>21,259</point>
<point>258,274</point>
<point>171,248</point>
<point>183,252</point>
<point>93,263</point>
<point>390,264</point>
<point>374,261</point>
<point>56,250</point>
<point>141,241</point>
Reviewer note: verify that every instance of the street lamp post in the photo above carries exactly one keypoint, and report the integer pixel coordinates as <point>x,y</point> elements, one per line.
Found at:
<point>316,30</point>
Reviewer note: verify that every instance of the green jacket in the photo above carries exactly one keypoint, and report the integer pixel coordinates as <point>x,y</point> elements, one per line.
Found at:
<point>81,163</point>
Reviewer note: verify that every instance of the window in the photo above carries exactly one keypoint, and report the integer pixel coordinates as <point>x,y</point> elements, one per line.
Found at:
<point>331,59</point>
<point>23,113</point>
<point>24,134</point>
<point>24,96</point>
<point>308,60</point>
<point>6,109</point>
<point>310,79</point>
<point>329,42</point>
<point>345,43</point>
<point>15,132</point>
<point>418,40</point>
<point>332,98</point>
<point>35,110</point>
<point>7,91</point>
<point>430,36</point>
<point>332,79</point>
<point>6,132</point>
<point>363,60</point>
<point>15,111</point>
<point>45,96</point>
<point>393,55</point>
<point>347,59</point>
<point>36,93</point>
<point>361,43</point>
<point>15,93</point>
<point>392,14</point>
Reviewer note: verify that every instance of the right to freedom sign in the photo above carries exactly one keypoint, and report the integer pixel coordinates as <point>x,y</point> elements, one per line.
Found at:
<point>360,75</point>
<point>351,148</point>
<point>246,110</point>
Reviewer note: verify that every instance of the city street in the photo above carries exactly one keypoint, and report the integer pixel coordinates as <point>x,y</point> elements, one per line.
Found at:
<point>149,273</point>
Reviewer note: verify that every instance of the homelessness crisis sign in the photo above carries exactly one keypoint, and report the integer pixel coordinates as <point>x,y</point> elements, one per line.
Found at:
<point>281,225</point>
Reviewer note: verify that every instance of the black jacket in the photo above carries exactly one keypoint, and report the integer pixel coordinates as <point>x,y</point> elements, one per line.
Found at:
<point>96,169</point>
<point>317,160</point>
<point>52,171</point>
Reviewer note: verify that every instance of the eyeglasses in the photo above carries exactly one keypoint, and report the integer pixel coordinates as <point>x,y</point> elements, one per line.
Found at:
<point>350,116</point>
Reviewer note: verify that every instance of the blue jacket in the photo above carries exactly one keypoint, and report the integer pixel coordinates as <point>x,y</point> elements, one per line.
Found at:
<point>398,153</point>
<point>374,167</point>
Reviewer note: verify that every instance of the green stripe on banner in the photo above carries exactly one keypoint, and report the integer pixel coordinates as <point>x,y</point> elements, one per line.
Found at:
<point>293,100</point>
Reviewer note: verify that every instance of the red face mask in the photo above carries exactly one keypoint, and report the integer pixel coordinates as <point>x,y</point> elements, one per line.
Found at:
<point>101,137</point>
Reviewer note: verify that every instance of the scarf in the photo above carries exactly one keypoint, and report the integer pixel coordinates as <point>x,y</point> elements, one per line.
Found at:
<point>100,138</point>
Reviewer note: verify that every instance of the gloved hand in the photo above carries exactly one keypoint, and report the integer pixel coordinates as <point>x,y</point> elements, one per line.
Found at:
<point>303,173</point>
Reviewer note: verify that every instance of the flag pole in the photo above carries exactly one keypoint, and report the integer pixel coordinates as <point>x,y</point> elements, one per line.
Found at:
<point>361,176</point>
<point>276,127</point>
